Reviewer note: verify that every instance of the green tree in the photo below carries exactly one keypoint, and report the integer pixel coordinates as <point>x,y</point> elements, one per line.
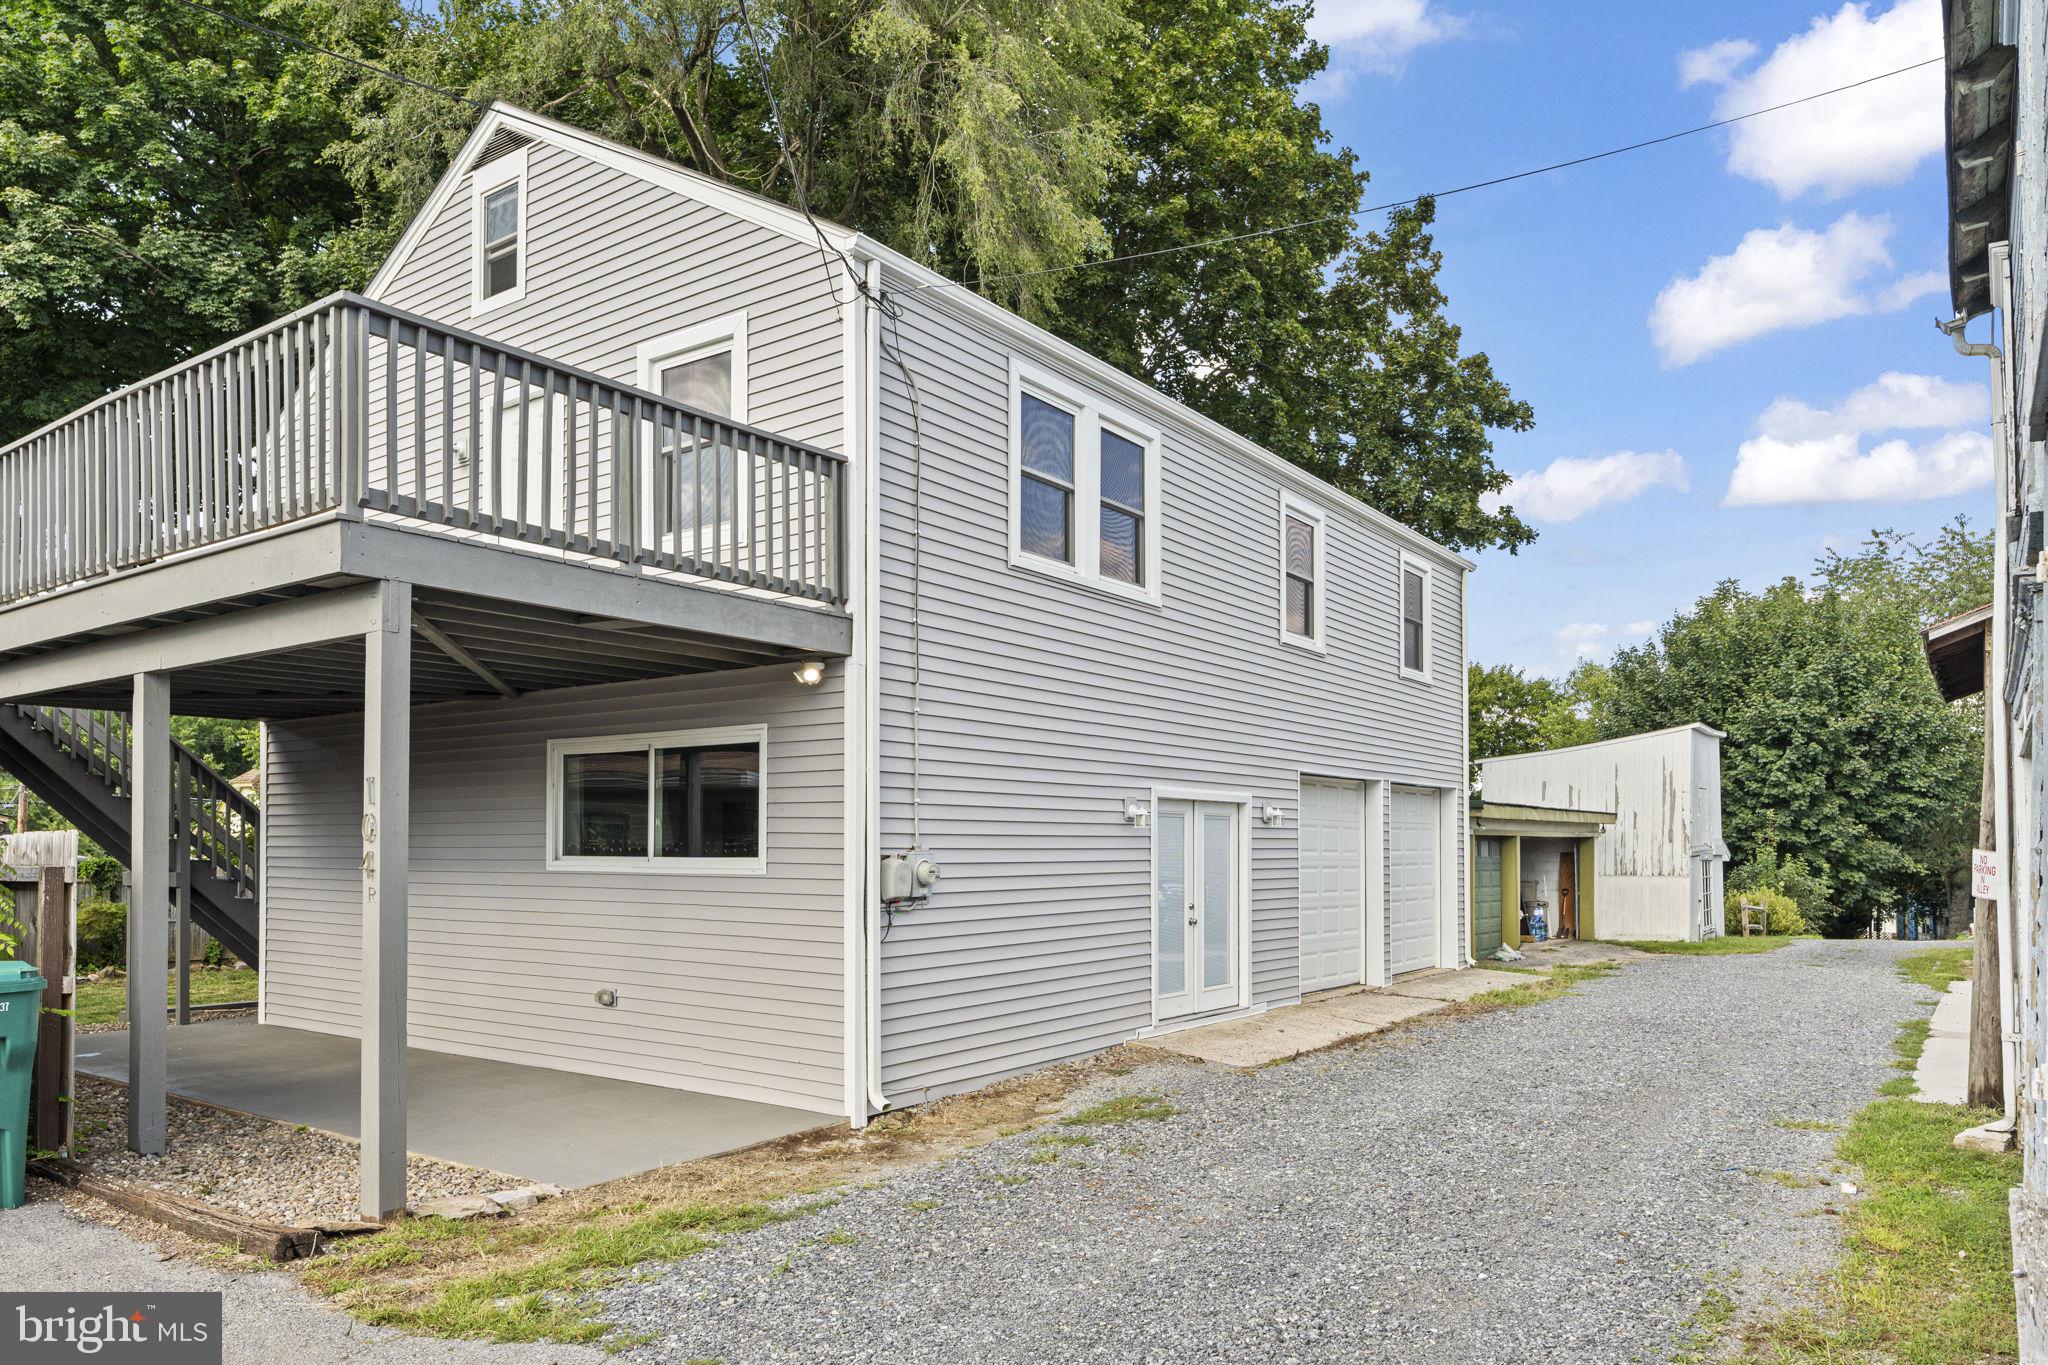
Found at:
<point>165,183</point>
<point>1517,713</point>
<point>228,746</point>
<point>1840,752</point>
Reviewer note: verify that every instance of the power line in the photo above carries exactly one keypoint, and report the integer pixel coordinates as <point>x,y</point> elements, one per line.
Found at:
<point>281,36</point>
<point>1416,199</point>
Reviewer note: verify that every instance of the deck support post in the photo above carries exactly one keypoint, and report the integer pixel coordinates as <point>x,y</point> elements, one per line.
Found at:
<point>149,857</point>
<point>386,832</point>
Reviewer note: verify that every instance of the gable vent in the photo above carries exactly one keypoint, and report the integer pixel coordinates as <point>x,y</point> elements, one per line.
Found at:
<point>500,143</point>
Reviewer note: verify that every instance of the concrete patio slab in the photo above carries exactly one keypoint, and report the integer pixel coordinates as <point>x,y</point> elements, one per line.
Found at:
<point>1327,1020</point>
<point>558,1126</point>
<point>1943,1072</point>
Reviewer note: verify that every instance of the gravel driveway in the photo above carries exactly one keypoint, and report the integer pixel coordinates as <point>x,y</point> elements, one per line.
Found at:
<point>1564,1182</point>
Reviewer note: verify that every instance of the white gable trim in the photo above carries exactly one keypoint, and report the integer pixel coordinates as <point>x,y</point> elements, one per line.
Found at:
<point>752,208</point>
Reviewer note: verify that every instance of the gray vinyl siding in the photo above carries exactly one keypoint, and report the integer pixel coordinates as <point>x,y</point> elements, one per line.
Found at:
<point>614,261</point>
<point>731,985</point>
<point>1045,705</point>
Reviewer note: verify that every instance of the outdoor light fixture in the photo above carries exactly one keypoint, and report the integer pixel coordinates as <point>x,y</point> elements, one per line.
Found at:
<point>1269,815</point>
<point>810,672</point>
<point>1136,812</point>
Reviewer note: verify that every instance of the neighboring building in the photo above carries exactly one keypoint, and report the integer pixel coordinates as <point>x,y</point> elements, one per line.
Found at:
<point>1997,87</point>
<point>610,452</point>
<point>1657,861</point>
<point>1534,870</point>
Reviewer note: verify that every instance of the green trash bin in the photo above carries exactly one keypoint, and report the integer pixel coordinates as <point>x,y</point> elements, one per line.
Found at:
<point>21,1006</point>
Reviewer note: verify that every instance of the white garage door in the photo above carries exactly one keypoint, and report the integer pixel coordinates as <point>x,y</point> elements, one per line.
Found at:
<point>1412,881</point>
<point>1332,884</point>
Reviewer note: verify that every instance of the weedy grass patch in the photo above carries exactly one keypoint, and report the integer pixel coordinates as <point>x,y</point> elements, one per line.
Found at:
<point>1724,946</point>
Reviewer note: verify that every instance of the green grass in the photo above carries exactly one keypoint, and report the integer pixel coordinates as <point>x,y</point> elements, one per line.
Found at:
<point>1927,1271</point>
<point>102,1002</point>
<point>540,1300</point>
<point>1723,946</point>
<point>1544,986</point>
<point>1122,1109</point>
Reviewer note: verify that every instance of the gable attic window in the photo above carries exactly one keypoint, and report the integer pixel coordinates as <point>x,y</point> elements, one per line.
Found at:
<point>1415,585</point>
<point>498,192</point>
<point>1084,487</point>
<point>1302,588</point>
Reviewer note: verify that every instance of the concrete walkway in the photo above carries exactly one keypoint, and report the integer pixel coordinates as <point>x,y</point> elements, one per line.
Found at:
<point>1330,1018</point>
<point>563,1127</point>
<point>1943,1074</point>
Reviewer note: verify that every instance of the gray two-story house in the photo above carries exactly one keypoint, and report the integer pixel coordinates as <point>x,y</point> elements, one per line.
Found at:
<point>705,649</point>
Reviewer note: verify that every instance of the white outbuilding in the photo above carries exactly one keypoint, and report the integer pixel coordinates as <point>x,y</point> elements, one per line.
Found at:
<point>1659,865</point>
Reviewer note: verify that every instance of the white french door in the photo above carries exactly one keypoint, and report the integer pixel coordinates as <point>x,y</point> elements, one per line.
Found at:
<point>1196,910</point>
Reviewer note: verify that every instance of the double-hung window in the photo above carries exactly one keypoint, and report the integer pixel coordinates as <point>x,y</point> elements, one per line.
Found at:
<point>1414,608</point>
<point>683,801</point>
<point>702,484</point>
<point>1084,487</point>
<point>499,207</point>
<point>1302,588</point>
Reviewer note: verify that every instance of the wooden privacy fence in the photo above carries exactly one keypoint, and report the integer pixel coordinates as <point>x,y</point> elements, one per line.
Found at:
<point>349,405</point>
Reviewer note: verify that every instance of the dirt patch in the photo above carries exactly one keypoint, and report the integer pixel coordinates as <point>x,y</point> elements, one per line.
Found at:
<point>425,1275</point>
<point>278,1172</point>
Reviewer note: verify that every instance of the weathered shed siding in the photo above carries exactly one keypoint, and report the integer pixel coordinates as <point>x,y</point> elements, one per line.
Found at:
<point>1045,705</point>
<point>727,984</point>
<point>1665,791</point>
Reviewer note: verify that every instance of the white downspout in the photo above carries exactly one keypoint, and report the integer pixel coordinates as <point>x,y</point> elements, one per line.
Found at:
<point>868,624</point>
<point>853,713</point>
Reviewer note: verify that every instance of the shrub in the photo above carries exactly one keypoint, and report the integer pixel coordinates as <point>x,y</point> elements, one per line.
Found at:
<point>1781,911</point>
<point>102,935</point>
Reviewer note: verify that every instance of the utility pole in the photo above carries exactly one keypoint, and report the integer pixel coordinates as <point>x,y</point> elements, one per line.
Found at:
<point>1986,1079</point>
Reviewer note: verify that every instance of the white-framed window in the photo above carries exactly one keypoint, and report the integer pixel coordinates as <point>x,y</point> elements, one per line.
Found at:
<point>1303,582</point>
<point>1084,487</point>
<point>1412,599</point>
<point>678,801</point>
<point>498,208</point>
<point>703,367</point>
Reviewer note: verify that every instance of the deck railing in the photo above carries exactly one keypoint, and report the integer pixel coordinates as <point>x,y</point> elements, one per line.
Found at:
<point>350,406</point>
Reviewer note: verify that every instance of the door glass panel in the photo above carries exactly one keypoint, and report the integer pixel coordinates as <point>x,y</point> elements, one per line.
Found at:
<point>1218,892</point>
<point>1172,902</point>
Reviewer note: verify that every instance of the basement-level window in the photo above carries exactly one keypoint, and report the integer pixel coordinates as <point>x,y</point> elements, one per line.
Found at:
<point>686,801</point>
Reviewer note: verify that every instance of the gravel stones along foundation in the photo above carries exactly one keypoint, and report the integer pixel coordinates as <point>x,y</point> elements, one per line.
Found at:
<point>1564,1182</point>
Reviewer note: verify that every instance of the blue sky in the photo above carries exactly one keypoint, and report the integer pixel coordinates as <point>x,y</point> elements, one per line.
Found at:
<point>1655,307</point>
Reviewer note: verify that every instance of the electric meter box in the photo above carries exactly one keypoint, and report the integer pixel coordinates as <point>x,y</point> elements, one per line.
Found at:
<point>907,877</point>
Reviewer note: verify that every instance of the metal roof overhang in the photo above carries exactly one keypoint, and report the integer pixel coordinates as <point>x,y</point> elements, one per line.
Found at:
<point>1955,652</point>
<point>1541,822</point>
<point>1978,108</point>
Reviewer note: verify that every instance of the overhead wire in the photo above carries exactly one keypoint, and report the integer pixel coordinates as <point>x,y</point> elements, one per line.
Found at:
<point>279,35</point>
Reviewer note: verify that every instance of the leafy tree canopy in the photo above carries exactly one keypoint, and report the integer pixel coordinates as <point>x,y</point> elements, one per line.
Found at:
<point>1840,752</point>
<point>168,180</point>
<point>1517,713</point>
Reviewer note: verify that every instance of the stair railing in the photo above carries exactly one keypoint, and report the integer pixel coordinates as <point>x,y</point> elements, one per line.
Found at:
<point>225,825</point>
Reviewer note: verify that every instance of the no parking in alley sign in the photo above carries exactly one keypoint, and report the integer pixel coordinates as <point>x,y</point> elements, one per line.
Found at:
<point>1984,874</point>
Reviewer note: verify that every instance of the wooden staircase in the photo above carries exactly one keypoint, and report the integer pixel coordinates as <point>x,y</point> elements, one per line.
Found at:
<point>78,761</point>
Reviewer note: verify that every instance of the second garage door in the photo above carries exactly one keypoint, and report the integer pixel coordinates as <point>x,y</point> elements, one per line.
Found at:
<point>1332,884</point>
<point>1412,881</point>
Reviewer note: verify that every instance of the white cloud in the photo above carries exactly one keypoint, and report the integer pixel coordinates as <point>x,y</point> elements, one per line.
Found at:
<point>1778,278</point>
<point>1891,402</point>
<point>1588,639</point>
<point>1571,486</point>
<point>1803,454</point>
<point>1873,135</point>
<point>1378,35</point>
<point>1714,64</point>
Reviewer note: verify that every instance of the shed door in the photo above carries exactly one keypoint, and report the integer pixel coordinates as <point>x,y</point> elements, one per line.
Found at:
<point>1486,872</point>
<point>1412,882</point>
<point>1332,884</point>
